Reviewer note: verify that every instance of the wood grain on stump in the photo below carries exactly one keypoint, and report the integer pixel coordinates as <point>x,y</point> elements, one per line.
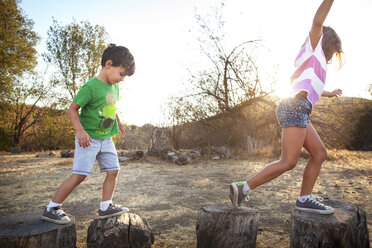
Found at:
<point>28,230</point>
<point>221,225</point>
<point>346,228</point>
<point>127,231</point>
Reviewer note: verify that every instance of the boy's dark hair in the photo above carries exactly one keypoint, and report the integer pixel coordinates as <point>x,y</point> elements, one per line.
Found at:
<point>120,56</point>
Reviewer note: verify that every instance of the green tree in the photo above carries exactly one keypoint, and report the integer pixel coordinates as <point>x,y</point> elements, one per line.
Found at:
<point>75,52</point>
<point>17,45</point>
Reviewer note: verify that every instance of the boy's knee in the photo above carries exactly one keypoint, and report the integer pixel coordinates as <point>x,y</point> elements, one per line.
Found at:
<point>113,173</point>
<point>79,178</point>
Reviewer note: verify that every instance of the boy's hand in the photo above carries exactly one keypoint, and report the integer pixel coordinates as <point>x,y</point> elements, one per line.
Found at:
<point>83,138</point>
<point>336,92</point>
<point>121,128</point>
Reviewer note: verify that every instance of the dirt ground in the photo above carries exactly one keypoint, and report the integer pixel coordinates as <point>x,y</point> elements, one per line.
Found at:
<point>169,196</point>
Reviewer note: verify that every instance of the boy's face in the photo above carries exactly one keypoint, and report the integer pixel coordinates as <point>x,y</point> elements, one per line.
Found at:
<point>115,74</point>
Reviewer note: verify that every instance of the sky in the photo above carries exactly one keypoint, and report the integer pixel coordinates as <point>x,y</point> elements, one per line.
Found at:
<point>162,36</point>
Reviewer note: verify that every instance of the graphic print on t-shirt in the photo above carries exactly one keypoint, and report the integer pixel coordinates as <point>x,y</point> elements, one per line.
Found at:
<point>108,112</point>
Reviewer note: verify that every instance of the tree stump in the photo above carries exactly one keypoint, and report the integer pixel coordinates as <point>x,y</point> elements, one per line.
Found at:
<point>127,231</point>
<point>28,230</point>
<point>221,225</point>
<point>347,227</point>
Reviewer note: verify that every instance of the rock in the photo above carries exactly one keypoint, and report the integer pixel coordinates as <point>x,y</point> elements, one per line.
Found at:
<point>158,142</point>
<point>28,230</point>
<point>169,155</point>
<point>127,230</point>
<point>222,226</point>
<point>16,150</point>
<point>42,155</point>
<point>182,159</point>
<point>123,159</point>
<point>194,154</point>
<point>138,155</point>
<point>346,228</point>
<point>222,152</point>
<point>67,154</point>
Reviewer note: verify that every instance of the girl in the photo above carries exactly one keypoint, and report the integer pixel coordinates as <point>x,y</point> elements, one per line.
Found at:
<point>293,116</point>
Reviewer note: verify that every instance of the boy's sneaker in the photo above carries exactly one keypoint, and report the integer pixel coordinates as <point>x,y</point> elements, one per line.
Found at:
<point>112,210</point>
<point>314,206</point>
<point>55,215</point>
<point>236,194</point>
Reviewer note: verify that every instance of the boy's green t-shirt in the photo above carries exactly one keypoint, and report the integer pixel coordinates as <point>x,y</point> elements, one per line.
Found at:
<point>98,108</point>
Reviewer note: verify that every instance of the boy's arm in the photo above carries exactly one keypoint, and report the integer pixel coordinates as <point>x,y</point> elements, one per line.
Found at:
<point>121,126</point>
<point>336,92</point>
<point>319,18</point>
<point>83,137</point>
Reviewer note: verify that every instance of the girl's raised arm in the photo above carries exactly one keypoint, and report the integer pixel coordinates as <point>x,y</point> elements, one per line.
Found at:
<point>320,16</point>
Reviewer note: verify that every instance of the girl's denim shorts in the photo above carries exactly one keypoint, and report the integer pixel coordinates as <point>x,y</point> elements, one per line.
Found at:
<point>294,112</point>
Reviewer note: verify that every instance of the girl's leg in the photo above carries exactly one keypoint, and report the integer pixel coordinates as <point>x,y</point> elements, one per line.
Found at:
<point>67,187</point>
<point>292,142</point>
<point>109,185</point>
<point>314,145</point>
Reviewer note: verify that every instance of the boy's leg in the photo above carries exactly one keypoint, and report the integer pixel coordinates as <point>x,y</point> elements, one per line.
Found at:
<point>84,159</point>
<point>109,163</point>
<point>109,185</point>
<point>67,187</point>
<point>292,142</point>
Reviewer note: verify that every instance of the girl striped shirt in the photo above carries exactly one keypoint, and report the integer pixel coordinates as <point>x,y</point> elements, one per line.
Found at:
<point>311,69</point>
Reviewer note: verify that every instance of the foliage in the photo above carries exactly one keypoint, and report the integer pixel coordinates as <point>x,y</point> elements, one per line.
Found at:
<point>17,45</point>
<point>21,107</point>
<point>75,51</point>
<point>228,82</point>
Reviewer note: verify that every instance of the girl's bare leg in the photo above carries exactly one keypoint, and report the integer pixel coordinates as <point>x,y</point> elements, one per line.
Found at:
<point>292,141</point>
<point>314,145</point>
<point>109,185</point>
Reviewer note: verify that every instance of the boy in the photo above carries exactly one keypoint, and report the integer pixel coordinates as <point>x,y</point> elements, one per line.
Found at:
<point>95,126</point>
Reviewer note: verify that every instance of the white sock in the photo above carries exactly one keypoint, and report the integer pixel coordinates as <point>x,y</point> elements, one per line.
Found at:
<point>303,198</point>
<point>246,188</point>
<point>104,205</point>
<point>52,205</point>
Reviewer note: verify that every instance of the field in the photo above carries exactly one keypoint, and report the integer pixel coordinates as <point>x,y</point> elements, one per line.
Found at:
<point>169,196</point>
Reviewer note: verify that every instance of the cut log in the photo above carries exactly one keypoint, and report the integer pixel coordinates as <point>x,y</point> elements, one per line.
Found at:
<point>221,225</point>
<point>127,230</point>
<point>28,230</point>
<point>346,228</point>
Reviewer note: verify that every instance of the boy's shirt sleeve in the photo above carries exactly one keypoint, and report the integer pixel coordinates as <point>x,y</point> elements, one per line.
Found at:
<point>83,96</point>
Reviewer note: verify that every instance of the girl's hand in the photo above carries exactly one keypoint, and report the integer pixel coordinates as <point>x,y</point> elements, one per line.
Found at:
<point>335,93</point>
<point>121,128</point>
<point>83,138</point>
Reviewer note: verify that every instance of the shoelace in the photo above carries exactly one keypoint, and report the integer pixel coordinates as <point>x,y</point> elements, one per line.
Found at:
<point>60,212</point>
<point>317,200</point>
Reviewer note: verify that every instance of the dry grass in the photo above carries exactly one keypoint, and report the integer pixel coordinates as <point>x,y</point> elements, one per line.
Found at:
<point>169,196</point>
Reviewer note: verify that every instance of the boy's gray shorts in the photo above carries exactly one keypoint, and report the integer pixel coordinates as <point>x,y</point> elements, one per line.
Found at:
<point>101,149</point>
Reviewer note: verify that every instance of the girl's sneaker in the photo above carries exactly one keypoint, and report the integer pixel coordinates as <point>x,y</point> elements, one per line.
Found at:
<point>313,205</point>
<point>112,210</point>
<point>55,215</point>
<point>236,194</point>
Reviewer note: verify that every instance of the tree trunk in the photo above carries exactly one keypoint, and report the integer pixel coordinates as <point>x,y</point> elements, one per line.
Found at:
<point>346,228</point>
<point>126,230</point>
<point>28,230</point>
<point>221,225</point>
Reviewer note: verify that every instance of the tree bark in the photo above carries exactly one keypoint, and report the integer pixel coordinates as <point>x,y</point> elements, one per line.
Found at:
<point>28,230</point>
<point>346,228</point>
<point>223,226</point>
<point>127,231</point>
